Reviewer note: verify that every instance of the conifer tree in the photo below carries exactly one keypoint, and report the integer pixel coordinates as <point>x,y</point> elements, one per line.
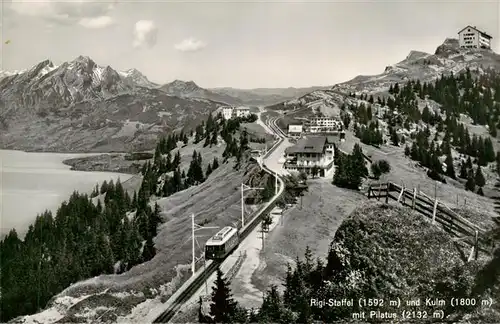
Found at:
<point>479,177</point>
<point>223,308</point>
<point>450,170</point>
<point>463,170</point>
<point>104,187</point>
<point>213,140</point>
<point>470,184</point>
<point>271,309</point>
<point>209,171</point>
<point>149,250</point>
<point>134,200</point>
<point>468,164</point>
<point>215,163</point>
<point>498,162</point>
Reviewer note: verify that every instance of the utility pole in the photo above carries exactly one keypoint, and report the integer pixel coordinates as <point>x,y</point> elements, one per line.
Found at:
<point>195,227</point>
<point>193,264</point>
<point>244,187</point>
<point>242,205</point>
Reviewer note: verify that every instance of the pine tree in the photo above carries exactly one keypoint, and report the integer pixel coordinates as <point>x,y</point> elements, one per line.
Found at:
<point>479,177</point>
<point>407,150</point>
<point>149,250</point>
<point>270,311</point>
<point>450,170</point>
<point>375,170</point>
<point>468,164</point>
<point>207,140</point>
<point>215,163</point>
<point>223,307</point>
<point>104,187</point>
<point>213,140</point>
<point>358,160</point>
<point>470,184</point>
<point>209,171</point>
<point>498,162</point>
<point>134,200</point>
<point>154,221</point>
<point>396,88</point>
<point>394,138</point>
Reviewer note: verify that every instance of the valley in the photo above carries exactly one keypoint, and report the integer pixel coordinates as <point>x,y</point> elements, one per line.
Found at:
<point>197,159</point>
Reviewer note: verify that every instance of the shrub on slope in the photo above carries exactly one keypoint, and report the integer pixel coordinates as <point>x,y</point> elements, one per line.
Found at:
<point>387,252</point>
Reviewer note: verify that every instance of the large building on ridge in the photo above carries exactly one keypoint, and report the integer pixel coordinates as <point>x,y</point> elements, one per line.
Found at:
<point>229,112</point>
<point>471,37</point>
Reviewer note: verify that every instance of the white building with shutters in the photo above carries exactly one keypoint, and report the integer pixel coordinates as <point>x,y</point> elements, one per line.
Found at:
<point>229,112</point>
<point>471,37</point>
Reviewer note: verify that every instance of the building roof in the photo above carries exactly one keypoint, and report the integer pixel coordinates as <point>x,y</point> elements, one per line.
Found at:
<point>308,145</point>
<point>474,27</point>
<point>222,236</point>
<point>243,108</point>
<point>332,139</point>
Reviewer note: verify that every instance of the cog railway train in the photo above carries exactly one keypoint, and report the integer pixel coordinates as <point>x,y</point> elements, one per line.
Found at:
<point>222,243</point>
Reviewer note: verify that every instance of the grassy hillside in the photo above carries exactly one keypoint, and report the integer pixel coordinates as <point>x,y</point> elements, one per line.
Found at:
<point>386,253</point>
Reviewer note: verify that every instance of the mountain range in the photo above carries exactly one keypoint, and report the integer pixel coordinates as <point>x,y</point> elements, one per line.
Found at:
<point>448,58</point>
<point>80,106</point>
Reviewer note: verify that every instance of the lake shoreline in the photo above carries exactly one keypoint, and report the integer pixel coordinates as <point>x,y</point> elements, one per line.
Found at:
<point>36,181</point>
<point>114,162</point>
<point>108,162</point>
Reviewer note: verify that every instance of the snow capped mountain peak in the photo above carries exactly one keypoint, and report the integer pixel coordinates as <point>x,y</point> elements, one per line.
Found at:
<point>136,77</point>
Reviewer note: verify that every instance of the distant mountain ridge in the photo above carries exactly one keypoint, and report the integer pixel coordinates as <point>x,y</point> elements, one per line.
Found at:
<point>189,89</point>
<point>81,106</point>
<point>448,58</point>
<point>234,96</point>
<point>266,96</point>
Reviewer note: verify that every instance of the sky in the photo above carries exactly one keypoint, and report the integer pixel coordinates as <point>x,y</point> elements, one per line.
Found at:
<point>245,44</point>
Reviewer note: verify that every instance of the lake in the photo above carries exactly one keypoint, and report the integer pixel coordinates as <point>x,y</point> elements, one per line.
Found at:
<point>33,182</point>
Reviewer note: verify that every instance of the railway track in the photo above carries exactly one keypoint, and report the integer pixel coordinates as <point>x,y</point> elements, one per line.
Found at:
<point>180,300</point>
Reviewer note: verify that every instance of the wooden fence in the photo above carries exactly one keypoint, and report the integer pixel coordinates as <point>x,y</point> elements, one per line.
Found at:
<point>437,211</point>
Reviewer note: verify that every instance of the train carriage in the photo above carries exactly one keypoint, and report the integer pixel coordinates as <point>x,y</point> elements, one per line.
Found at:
<point>222,243</point>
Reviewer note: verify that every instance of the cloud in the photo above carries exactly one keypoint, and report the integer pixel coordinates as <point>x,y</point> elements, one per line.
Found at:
<point>98,22</point>
<point>145,34</point>
<point>87,13</point>
<point>190,45</point>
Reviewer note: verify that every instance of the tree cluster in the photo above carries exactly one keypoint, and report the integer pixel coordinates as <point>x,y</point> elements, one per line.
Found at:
<point>474,178</point>
<point>369,135</point>
<point>380,167</point>
<point>350,169</point>
<point>82,240</point>
<point>333,278</point>
<point>85,239</point>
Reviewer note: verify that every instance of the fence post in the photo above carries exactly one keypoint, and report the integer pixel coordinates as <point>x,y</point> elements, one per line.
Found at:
<point>469,259</point>
<point>369,191</point>
<point>414,197</point>
<point>401,193</point>
<point>476,245</point>
<point>434,212</point>
<point>387,194</point>
<point>379,190</point>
